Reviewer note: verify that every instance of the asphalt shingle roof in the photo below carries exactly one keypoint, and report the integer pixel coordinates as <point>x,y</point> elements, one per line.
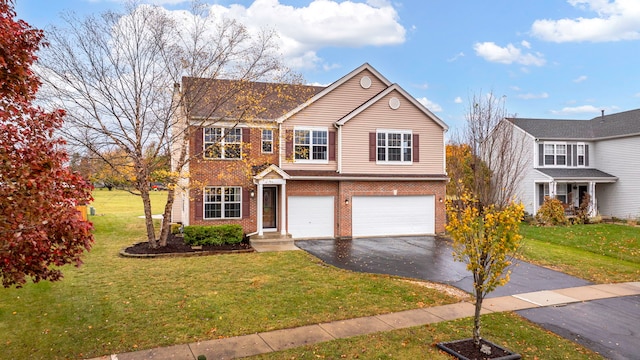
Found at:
<point>614,125</point>
<point>581,173</point>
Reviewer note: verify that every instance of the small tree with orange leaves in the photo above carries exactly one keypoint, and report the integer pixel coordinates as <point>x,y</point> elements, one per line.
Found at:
<point>486,238</point>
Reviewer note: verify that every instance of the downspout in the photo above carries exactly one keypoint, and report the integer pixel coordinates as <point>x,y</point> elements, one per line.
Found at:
<point>339,154</point>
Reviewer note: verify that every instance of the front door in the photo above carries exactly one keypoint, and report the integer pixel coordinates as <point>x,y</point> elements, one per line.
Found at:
<point>582,190</point>
<point>269,208</point>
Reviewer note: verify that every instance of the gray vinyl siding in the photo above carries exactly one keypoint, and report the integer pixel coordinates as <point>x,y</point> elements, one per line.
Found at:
<point>619,157</point>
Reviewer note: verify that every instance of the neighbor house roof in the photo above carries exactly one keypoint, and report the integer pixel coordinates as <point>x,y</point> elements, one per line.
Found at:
<point>577,174</point>
<point>601,127</point>
<point>235,99</point>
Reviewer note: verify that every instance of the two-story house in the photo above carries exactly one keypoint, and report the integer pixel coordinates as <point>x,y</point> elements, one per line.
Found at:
<point>360,157</point>
<point>599,157</point>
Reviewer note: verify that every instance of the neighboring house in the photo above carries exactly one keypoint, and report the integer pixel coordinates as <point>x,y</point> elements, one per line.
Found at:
<point>360,157</point>
<point>599,157</point>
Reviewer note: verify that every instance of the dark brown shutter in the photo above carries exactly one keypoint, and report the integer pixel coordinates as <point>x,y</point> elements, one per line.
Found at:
<point>246,135</point>
<point>541,155</point>
<point>416,148</point>
<point>198,203</point>
<point>198,142</point>
<point>332,145</point>
<point>288,149</point>
<point>245,203</point>
<point>586,155</point>
<point>372,146</point>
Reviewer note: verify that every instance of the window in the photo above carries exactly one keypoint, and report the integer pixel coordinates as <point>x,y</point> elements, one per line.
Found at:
<point>222,202</point>
<point>561,193</point>
<point>394,146</point>
<point>221,143</point>
<point>555,154</point>
<point>580,154</point>
<point>267,141</point>
<point>310,144</point>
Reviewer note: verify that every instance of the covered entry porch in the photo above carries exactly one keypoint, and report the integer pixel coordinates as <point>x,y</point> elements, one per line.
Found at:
<point>571,186</point>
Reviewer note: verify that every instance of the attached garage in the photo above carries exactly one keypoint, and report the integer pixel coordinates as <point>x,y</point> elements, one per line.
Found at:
<point>393,215</point>
<point>311,216</point>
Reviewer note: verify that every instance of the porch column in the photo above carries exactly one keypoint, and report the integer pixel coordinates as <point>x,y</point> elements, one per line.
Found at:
<point>593,209</point>
<point>260,209</point>
<point>552,189</point>
<point>283,207</point>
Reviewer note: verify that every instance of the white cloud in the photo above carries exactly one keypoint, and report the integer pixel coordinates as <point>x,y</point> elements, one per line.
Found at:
<point>637,95</point>
<point>430,104</point>
<point>614,21</point>
<point>531,96</point>
<point>456,57</point>
<point>577,110</point>
<point>303,31</point>
<point>525,44</point>
<point>580,79</point>
<point>458,100</point>
<point>508,54</point>
<point>515,88</point>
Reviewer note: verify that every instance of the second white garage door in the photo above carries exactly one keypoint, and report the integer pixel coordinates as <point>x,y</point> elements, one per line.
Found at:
<point>311,216</point>
<point>393,215</point>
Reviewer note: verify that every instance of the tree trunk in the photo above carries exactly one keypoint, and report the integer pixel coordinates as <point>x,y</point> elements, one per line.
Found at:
<point>166,223</point>
<point>476,319</point>
<point>151,231</point>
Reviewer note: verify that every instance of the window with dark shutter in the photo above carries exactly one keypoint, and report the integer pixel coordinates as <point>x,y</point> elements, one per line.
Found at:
<point>289,145</point>
<point>198,147</point>
<point>198,204</point>
<point>245,203</point>
<point>541,155</point>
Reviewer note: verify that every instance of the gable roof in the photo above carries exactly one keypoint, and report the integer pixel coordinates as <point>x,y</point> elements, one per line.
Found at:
<point>602,127</point>
<point>219,98</point>
<point>384,93</point>
<point>334,85</point>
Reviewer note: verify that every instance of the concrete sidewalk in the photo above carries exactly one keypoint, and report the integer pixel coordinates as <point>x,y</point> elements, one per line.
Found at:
<point>254,344</point>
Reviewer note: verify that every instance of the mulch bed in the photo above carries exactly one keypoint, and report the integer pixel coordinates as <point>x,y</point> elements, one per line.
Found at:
<point>465,349</point>
<point>176,245</point>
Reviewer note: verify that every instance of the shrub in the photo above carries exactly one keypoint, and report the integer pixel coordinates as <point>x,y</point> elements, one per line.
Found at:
<point>551,213</point>
<point>213,235</point>
<point>176,228</point>
<point>582,214</point>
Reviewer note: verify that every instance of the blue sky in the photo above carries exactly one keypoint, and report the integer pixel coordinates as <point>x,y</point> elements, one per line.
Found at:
<point>551,59</point>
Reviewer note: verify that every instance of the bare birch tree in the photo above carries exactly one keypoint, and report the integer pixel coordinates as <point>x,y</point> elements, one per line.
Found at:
<point>118,75</point>
<point>499,155</point>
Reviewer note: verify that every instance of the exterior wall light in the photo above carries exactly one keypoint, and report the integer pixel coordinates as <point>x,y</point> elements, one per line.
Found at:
<point>252,193</point>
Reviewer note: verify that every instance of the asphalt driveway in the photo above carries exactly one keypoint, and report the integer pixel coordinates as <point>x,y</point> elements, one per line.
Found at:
<point>610,327</point>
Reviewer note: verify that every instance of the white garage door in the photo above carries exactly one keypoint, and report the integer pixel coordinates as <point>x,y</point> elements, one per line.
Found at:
<point>311,216</point>
<point>393,215</point>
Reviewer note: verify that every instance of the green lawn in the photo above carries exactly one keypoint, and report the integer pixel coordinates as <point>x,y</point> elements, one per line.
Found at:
<point>113,304</point>
<point>506,329</point>
<point>601,253</point>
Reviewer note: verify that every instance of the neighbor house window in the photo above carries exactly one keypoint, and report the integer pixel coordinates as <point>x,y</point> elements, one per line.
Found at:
<point>267,141</point>
<point>310,144</point>
<point>555,154</point>
<point>222,143</point>
<point>561,193</point>
<point>394,146</point>
<point>222,202</point>
<point>580,154</point>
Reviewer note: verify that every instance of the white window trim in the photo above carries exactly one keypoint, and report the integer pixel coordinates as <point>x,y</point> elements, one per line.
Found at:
<point>311,129</point>
<point>555,154</point>
<point>395,162</point>
<point>262,141</point>
<point>584,155</point>
<point>222,202</point>
<point>223,133</point>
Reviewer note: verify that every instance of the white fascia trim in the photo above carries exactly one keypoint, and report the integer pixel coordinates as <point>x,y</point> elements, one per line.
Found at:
<point>331,87</point>
<point>367,178</point>
<point>384,93</point>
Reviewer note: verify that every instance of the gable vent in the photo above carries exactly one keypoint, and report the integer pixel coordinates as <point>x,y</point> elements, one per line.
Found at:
<point>365,82</point>
<point>394,103</point>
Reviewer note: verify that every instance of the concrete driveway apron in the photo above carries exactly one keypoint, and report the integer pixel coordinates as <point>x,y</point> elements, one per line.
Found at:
<point>610,327</point>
